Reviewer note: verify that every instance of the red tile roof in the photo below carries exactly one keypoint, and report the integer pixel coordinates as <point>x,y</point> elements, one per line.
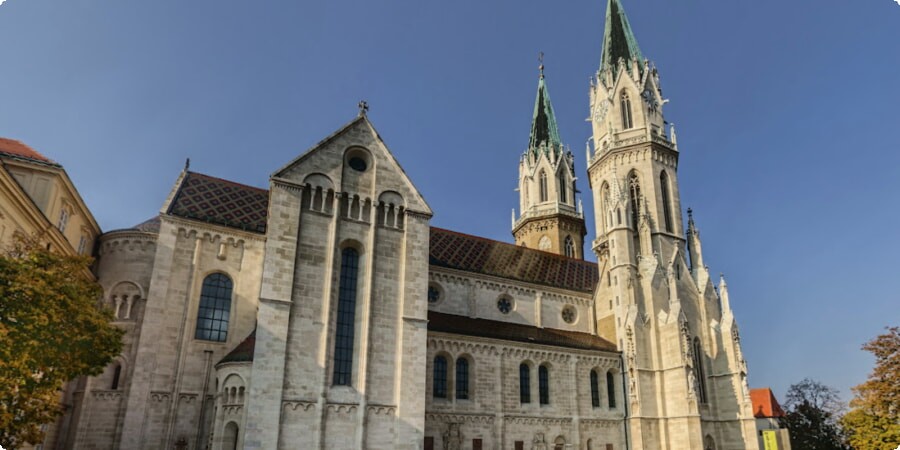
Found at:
<point>223,202</point>
<point>765,404</point>
<point>214,200</point>
<point>475,254</point>
<point>243,352</point>
<point>16,149</point>
<point>507,331</point>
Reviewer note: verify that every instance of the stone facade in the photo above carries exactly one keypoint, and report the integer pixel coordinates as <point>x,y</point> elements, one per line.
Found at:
<point>326,312</point>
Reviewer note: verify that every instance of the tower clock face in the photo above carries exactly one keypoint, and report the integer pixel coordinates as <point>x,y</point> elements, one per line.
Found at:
<point>650,98</point>
<point>601,110</point>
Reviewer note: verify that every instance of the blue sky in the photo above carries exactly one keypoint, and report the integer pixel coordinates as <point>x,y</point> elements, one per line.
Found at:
<point>787,118</point>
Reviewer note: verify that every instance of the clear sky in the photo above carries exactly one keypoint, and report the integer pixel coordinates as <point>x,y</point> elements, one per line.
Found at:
<point>786,111</point>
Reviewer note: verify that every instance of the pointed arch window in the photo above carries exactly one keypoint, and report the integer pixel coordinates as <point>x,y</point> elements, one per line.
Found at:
<point>462,378</point>
<point>627,120</point>
<point>215,308</point>
<point>634,190</point>
<point>595,389</point>
<point>524,383</point>
<point>440,377</point>
<point>570,247</point>
<point>544,385</point>
<point>346,318</point>
<point>610,390</point>
<point>116,375</point>
<point>667,208</point>
<point>562,189</point>
<point>543,186</point>
<point>698,370</point>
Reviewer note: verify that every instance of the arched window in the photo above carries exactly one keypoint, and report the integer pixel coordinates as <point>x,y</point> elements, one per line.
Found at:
<point>215,308</point>
<point>595,389</point>
<point>440,377</point>
<point>562,188</point>
<point>709,443</point>
<point>116,375</point>
<point>544,385</point>
<point>627,122</point>
<point>667,208</point>
<point>634,191</point>
<point>524,383</point>
<point>543,186</point>
<point>604,205</point>
<point>570,247</point>
<point>230,437</point>
<point>462,378</point>
<point>698,370</point>
<point>610,390</point>
<point>346,318</point>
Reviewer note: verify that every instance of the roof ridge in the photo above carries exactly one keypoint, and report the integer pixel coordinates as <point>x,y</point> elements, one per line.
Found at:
<point>190,172</point>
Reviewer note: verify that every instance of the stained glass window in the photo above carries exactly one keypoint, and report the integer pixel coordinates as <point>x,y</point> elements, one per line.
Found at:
<point>215,308</point>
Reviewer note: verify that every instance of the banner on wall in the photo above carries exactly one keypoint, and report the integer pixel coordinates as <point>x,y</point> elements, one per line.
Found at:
<point>770,440</point>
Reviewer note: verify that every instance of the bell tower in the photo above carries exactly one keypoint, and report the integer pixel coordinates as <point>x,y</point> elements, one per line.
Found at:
<point>665,315</point>
<point>551,218</point>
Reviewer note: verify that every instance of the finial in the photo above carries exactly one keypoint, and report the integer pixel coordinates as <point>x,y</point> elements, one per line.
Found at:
<point>690,215</point>
<point>363,107</point>
<point>187,164</point>
<point>541,61</point>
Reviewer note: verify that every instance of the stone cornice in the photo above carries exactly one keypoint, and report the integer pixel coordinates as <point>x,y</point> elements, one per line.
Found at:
<point>189,226</point>
<point>502,285</point>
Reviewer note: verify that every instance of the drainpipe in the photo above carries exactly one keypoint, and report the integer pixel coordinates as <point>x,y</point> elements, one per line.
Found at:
<point>625,401</point>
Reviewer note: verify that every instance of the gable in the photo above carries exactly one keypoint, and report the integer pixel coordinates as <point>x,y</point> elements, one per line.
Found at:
<point>329,164</point>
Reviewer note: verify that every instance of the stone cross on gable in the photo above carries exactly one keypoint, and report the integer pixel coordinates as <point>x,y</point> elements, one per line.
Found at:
<point>363,107</point>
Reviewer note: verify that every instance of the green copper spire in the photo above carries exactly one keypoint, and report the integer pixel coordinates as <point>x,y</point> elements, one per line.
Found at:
<point>618,40</point>
<point>543,123</point>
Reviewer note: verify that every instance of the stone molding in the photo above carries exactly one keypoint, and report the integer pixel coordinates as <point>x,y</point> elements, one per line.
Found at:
<point>537,420</point>
<point>160,396</point>
<point>503,285</point>
<point>127,242</point>
<point>379,410</point>
<point>460,418</point>
<point>298,404</point>
<point>106,395</point>
<point>192,228</point>
<point>341,408</point>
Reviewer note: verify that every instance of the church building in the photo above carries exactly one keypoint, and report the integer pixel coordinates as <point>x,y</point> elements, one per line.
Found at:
<point>325,312</point>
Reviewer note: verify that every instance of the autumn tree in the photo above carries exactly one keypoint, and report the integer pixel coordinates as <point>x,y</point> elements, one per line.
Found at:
<point>812,413</point>
<point>52,330</point>
<point>874,421</point>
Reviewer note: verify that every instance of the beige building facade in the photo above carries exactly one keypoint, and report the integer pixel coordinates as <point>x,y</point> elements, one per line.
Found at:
<point>39,201</point>
<point>326,312</point>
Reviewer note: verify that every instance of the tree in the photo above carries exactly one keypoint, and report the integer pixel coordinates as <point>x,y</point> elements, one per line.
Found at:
<point>52,330</point>
<point>812,416</point>
<point>874,421</point>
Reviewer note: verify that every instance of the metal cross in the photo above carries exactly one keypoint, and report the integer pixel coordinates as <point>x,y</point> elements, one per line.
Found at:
<point>363,107</point>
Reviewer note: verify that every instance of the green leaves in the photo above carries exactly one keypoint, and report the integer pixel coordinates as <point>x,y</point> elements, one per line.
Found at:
<point>52,330</point>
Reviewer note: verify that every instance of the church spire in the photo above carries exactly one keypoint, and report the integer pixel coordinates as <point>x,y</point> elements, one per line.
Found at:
<point>544,131</point>
<point>618,40</point>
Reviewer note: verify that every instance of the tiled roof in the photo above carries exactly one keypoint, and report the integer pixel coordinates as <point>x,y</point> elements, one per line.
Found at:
<point>475,254</point>
<point>243,352</point>
<point>210,199</point>
<point>765,404</point>
<point>492,329</point>
<point>149,225</point>
<point>223,202</point>
<point>16,149</point>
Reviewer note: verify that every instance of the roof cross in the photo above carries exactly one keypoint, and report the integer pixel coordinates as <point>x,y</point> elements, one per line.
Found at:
<point>363,107</point>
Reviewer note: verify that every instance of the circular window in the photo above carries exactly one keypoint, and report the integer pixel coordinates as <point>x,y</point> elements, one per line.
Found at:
<point>434,294</point>
<point>358,164</point>
<point>569,315</point>
<point>504,304</point>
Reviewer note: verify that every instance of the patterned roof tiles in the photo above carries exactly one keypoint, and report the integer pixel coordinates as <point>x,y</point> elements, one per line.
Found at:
<point>223,202</point>
<point>214,200</point>
<point>475,254</point>
<point>493,329</point>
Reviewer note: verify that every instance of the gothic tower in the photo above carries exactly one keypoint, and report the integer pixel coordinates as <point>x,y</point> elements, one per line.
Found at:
<point>551,219</point>
<point>686,379</point>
